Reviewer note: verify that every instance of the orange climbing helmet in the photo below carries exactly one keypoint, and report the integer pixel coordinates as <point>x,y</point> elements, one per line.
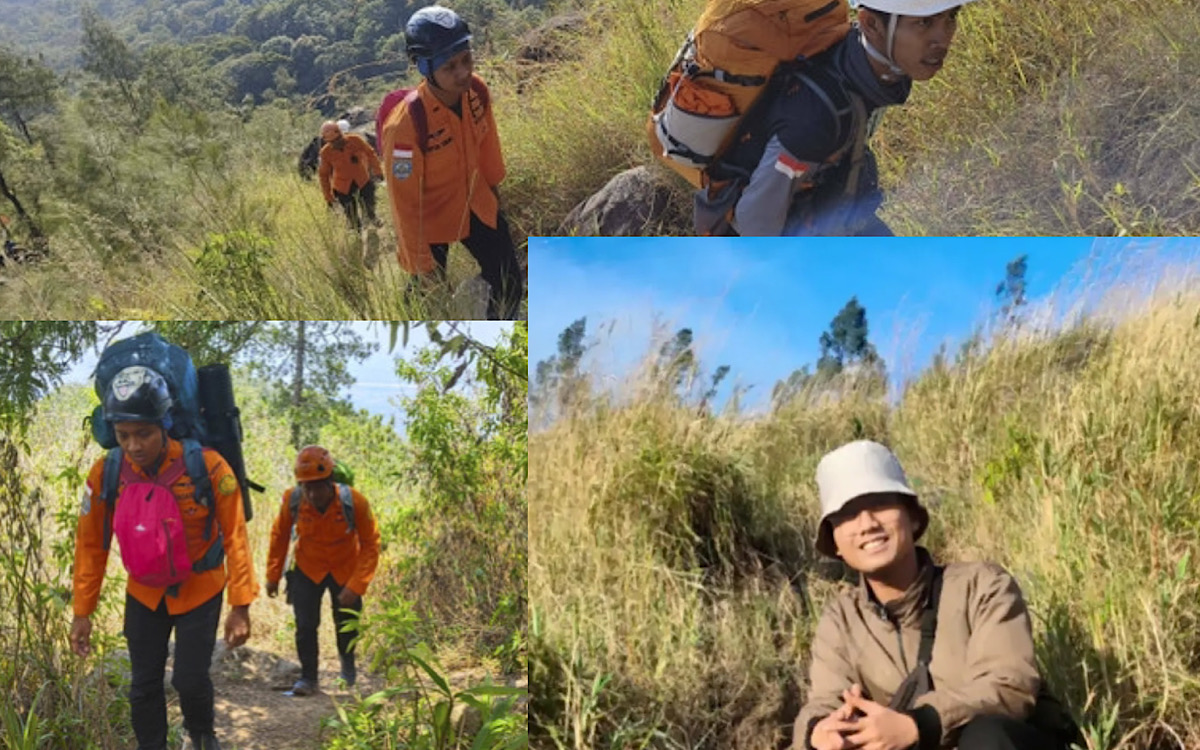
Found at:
<point>313,463</point>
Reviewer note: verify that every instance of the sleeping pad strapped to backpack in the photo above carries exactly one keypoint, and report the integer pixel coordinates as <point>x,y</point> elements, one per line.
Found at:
<point>727,62</point>
<point>203,414</point>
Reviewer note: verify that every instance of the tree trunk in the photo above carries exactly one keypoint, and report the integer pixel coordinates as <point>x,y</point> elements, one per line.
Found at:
<point>298,384</point>
<point>22,126</point>
<point>35,231</point>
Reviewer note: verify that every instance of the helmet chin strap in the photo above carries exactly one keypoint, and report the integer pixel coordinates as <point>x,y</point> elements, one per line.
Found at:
<point>894,73</point>
<point>425,68</point>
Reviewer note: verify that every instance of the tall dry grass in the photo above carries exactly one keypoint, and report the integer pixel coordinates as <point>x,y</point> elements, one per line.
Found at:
<point>674,586</point>
<point>203,215</point>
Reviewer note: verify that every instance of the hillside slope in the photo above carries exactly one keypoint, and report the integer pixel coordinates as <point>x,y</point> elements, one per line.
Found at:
<point>673,583</point>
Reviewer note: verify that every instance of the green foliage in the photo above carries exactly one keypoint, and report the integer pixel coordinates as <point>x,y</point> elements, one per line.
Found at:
<point>22,732</point>
<point>50,693</point>
<point>1010,293</point>
<point>848,360</point>
<point>107,56</point>
<point>557,379</point>
<point>469,459</point>
<point>846,341</point>
<point>27,88</point>
<point>418,711</point>
<point>306,362</point>
<point>211,341</point>
<point>236,261</point>
<point>33,359</point>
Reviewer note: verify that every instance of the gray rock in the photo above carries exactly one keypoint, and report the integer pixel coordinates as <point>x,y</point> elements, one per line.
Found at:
<point>559,38</point>
<point>632,204</point>
<point>284,672</point>
<point>471,298</point>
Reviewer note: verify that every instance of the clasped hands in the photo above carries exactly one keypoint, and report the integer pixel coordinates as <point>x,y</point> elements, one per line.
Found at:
<point>862,724</point>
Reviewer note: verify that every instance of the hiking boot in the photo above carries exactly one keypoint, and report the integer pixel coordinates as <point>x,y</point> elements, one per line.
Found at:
<point>302,688</point>
<point>205,742</point>
<point>349,673</point>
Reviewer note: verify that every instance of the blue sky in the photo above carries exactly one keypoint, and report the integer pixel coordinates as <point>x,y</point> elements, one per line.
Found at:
<point>376,385</point>
<point>760,305</point>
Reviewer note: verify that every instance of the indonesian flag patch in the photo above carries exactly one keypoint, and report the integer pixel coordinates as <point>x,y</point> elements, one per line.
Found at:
<point>791,166</point>
<point>402,164</point>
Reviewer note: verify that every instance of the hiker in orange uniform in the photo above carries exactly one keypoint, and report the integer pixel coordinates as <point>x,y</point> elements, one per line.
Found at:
<point>350,164</point>
<point>137,406</point>
<point>337,549</point>
<point>441,154</point>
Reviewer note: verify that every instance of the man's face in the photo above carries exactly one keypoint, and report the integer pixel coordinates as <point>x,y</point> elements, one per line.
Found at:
<point>141,441</point>
<point>921,43</point>
<point>871,533</point>
<point>319,492</point>
<point>454,77</point>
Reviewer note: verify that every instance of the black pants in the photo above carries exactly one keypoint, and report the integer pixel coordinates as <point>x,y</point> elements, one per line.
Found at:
<point>493,250</point>
<point>306,603</point>
<point>147,632</point>
<point>364,195</point>
<point>1001,733</point>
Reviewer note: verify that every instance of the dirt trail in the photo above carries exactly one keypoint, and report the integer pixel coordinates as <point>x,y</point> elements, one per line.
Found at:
<point>254,714</point>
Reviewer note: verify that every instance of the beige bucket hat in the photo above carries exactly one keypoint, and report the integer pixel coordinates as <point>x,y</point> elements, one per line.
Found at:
<point>860,468</point>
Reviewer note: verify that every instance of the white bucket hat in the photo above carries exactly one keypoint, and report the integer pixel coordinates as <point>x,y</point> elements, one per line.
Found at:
<point>920,8</point>
<point>860,468</point>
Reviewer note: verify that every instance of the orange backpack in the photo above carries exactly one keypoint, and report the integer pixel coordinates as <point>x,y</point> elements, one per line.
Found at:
<point>724,66</point>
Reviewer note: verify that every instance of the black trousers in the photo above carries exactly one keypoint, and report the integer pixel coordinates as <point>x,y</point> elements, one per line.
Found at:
<point>306,603</point>
<point>1002,733</point>
<point>493,250</point>
<point>147,632</point>
<point>350,201</point>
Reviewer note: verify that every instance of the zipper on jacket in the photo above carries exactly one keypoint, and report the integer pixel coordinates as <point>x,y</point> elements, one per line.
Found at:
<point>886,616</point>
<point>900,643</point>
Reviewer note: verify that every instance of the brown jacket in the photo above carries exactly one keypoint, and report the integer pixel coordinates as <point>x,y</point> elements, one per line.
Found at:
<point>982,661</point>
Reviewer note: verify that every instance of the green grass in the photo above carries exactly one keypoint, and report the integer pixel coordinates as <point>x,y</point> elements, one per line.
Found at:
<point>674,586</point>
<point>203,215</point>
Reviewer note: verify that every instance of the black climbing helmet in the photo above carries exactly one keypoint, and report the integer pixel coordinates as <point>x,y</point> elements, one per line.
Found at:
<point>137,394</point>
<point>433,35</point>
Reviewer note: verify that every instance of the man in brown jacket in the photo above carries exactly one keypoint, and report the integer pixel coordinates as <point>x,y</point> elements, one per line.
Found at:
<point>890,668</point>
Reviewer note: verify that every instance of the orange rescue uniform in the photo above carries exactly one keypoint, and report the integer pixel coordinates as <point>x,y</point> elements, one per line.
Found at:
<point>325,544</point>
<point>436,186</point>
<point>352,165</point>
<point>237,571</point>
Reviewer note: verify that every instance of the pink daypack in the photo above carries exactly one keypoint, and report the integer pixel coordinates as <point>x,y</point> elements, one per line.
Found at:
<point>149,527</point>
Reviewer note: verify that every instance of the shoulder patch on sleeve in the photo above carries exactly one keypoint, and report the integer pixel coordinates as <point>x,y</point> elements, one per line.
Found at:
<point>792,167</point>
<point>227,485</point>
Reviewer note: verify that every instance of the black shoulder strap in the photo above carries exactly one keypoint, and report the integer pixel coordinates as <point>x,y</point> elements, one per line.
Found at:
<point>110,479</point>
<point>416,109</point>
<point>929,617</point>
<point>919,681</point>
